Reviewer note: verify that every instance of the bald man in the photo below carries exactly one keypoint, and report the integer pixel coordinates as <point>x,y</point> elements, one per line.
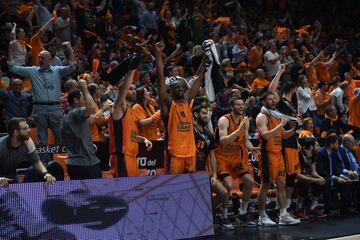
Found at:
<point>350,166</point>
<point>46,86</point>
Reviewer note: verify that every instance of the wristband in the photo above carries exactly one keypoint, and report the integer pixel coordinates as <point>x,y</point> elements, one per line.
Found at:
<point>44,174</point>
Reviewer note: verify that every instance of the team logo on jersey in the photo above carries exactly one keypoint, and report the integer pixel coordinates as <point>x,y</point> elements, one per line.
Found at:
<point>182,114</point>
<point>183,126</point>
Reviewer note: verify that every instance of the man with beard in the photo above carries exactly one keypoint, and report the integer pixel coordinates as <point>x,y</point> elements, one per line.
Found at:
<point>123,128</point>
<point>272,167</point>
<point>176,113</point>
<point>205,145</point>
<point>290,145</point>
<point>309,180</point>
<point>18,147</point>
<point>232,154</point>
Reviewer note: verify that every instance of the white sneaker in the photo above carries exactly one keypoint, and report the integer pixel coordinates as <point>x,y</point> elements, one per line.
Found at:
<point>266,221</point>
<point>288,220</point>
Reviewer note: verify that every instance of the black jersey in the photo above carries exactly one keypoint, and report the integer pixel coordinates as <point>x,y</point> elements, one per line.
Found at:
<point>205,142</point>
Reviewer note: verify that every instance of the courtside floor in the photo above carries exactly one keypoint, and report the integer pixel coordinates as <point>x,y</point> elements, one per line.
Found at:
<point>342,228</point>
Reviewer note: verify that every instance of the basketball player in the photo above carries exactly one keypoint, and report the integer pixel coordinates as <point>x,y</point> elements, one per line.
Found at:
<point>123,128</point>
<point>272,167</point>
<point>232,154</point>
<point>176,113</point>
<point>205,146</point>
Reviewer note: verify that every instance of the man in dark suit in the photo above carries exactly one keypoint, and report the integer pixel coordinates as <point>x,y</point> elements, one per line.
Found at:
<point>350,166</point>
<point>328,167</point>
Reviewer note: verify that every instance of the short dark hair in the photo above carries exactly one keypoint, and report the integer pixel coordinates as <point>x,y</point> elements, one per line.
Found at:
<point>330,140</point>
<point>14,124</point>
<point>92,88</point>
<point>75,93</point>
<point>265,95</point>
<point>234,99</point>
<point>198,108</point>
<point>288,86</point>
<point>308,142</point>
<point>331,132</point>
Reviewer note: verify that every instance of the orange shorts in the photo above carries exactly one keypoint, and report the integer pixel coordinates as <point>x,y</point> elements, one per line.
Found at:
<point>182,165</point>
<point>272,167</point>
<point>235,167</point>
<point>292,162</point>
<point>132,167</point>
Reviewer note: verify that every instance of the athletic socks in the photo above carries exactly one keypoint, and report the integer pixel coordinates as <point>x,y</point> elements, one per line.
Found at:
<point>288,203</point>
<point>243,208</point>
<point>283,212</point>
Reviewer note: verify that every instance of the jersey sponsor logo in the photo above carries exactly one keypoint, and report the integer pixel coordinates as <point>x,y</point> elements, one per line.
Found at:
<point>183,126</point>
<point>232,148</point>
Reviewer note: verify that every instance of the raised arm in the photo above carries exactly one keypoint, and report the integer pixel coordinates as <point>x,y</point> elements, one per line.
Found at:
<point>19,70</point>
<point>163,95</point>
<point>119,106</point>
<point>90,105</point>
<point>45,26</point>
<point>199,76</point>
<point>275,82</point>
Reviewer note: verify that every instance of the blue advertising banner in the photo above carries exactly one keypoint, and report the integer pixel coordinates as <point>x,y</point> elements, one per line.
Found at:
<point>154,207</point>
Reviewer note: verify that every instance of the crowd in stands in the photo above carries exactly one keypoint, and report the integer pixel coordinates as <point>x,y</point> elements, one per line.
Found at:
<point>205,77</point>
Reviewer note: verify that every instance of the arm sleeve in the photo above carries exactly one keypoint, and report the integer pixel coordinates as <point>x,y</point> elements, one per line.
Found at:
<point>20,70</point>
<point>66,70</point>
<point>78,114</point>
<point>32,155</point>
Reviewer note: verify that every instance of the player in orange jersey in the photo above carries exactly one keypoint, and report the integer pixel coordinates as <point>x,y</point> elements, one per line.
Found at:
<point>176,113</point>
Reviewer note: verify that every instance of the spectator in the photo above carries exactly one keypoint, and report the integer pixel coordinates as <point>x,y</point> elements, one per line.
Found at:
<point>82,162</point>
<point>260,83</point>
<point>338,100</point>
<point>349,165</point>
<point>332,121</point>
<point>17,103</point>
<point>69,85</point>
<point>36,42</point>
<point>354,114</point>
<point>306,100</point>
<point>63,25</point>
<point>327,165</point>
<point>309,180</point>
<point>307,129</point>
<point>149,118</point>
<point>19,48</point>
<point>271,60</point>
<point>322,100</point>
<point>46,85</point>
<point>18,147</point>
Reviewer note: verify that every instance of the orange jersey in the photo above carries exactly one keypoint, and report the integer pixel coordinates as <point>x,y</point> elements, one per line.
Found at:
<point>320,98</point>
<point>311,74</point>
<point>323,72</point>
<point>123,134</point>
<point>255,57</point>
<point>260,83</point>
<point>351,88</point>
<point>95,133</point>
<point>354,112</point>
<point>181,140</point>
<point>235,149</point>
<point>149,131</point>
<point>274,144</point>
